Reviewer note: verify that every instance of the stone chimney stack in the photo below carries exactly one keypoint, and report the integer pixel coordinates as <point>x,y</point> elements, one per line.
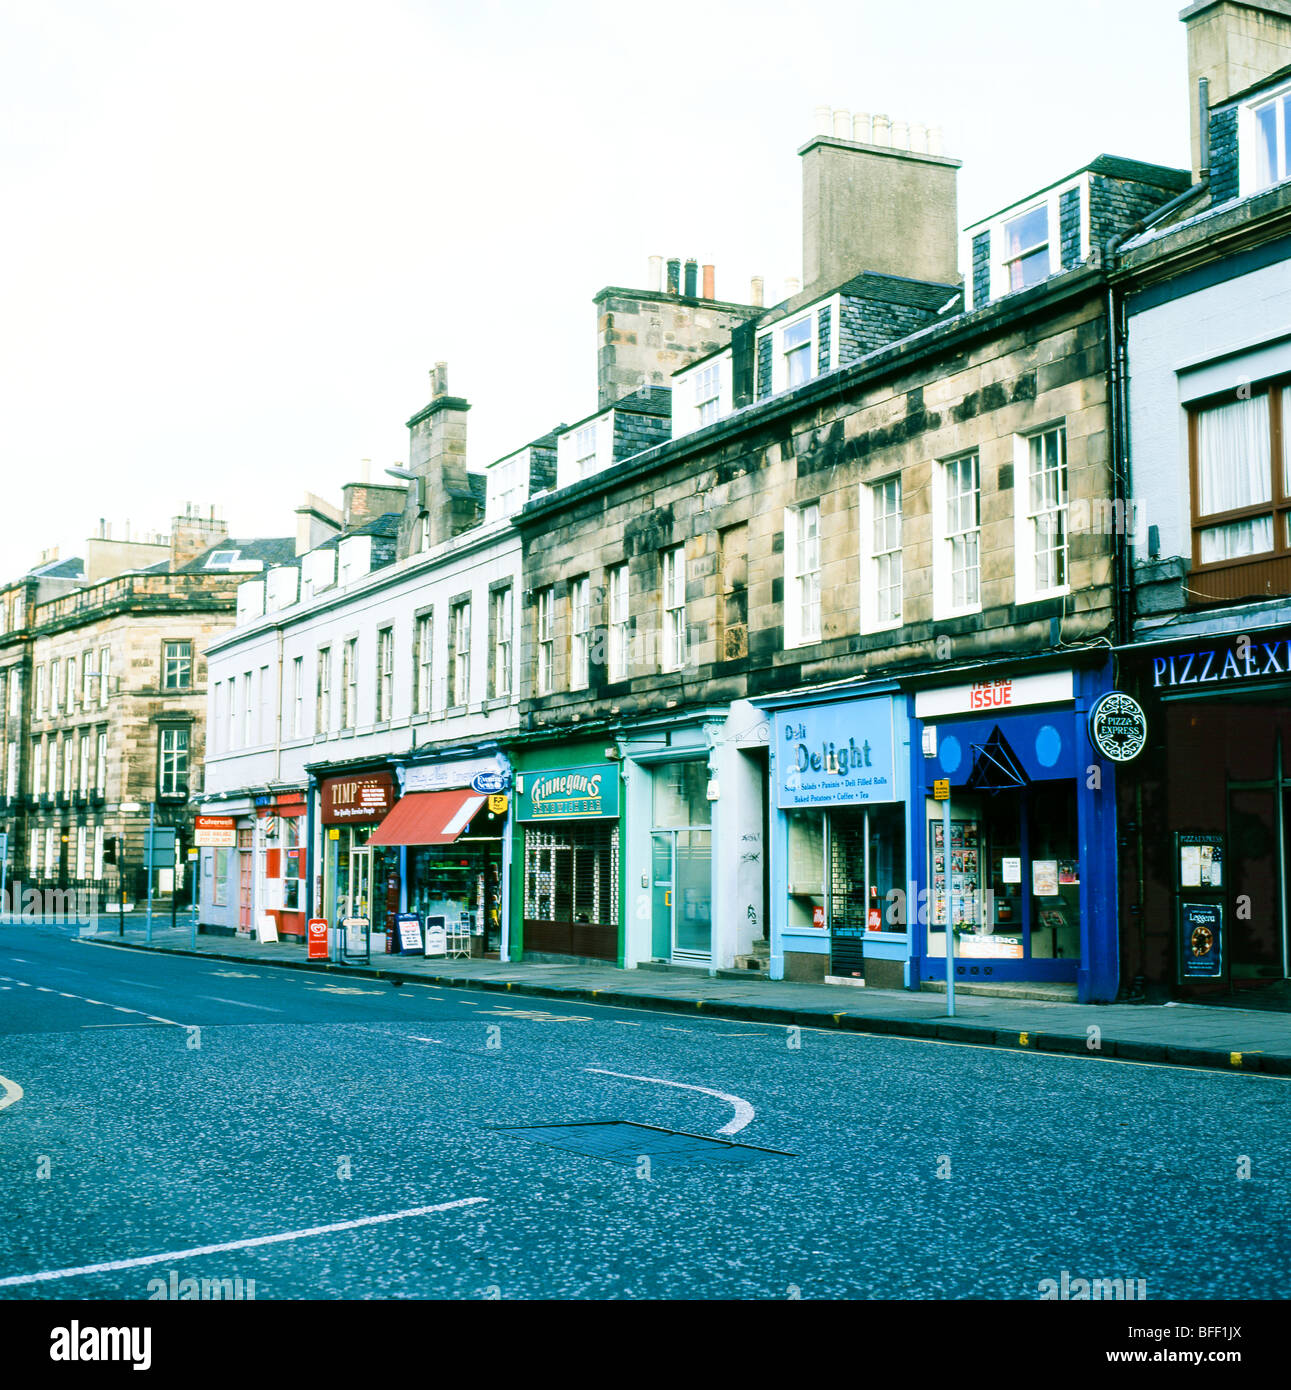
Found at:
<point>192,533</point>
<point>877,204</point>
<point>1233,44</point>
<point>442,493</point>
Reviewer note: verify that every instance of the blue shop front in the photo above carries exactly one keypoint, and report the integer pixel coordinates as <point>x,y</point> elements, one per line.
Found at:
<point>840,837</point>
<point>1029,874</point>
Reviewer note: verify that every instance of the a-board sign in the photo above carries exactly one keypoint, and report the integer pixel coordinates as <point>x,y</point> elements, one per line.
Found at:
<point>408,927</point>
<point>266,928</point>
<point>317,938</point>
<point>356,934</point>
<point>1201,940</point>
<point>436,937</point>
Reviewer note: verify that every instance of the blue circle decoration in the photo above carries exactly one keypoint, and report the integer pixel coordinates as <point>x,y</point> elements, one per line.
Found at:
<point>950,754</point>
<point>1048,746</point>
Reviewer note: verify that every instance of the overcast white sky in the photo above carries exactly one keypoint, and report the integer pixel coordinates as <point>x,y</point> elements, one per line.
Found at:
<point>236,236</point>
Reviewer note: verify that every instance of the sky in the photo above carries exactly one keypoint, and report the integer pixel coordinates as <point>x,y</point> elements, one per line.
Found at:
<point>235,238</point>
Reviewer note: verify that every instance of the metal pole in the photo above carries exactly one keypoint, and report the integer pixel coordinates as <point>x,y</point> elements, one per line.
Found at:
<point>174,888</point>
<point>4,865</point>
<point>196,898</point>
<point>121,883</point>
<point>950,926</point>
<point>152,811</point>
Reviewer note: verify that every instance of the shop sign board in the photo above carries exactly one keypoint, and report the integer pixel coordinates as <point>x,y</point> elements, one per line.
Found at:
<point>1009,692</point>
<point>1201,940</point>
<point>317,938</point>
<point>828,755</point>
<point>216,832</point>
<point>462,772</point>
<point>360,799</point>
<point>1244,658</point>
<point>408,926</point>
<point>491,783</point>
<point>436,937</point>
<point>570,793</point>
<point>1118,728</point>
<point>498,805</point>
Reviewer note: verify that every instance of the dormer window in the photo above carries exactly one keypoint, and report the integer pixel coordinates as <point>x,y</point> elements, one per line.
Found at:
<point>797,352</point>
<point>585,451</point>
<point>1271,143</point>
<point>1026,253</point>
<point>708,386</point>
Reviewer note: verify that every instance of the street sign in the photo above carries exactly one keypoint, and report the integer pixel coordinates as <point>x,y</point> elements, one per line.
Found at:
<point>498,804</point>
<point>941,789</point>
<point>160,854</point>
<point>317,938</point>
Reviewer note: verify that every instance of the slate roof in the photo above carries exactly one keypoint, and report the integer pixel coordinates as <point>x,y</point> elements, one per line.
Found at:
<point>277,550</point>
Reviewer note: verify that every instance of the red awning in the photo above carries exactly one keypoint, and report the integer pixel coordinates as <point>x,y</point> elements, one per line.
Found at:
<point>428,818</point>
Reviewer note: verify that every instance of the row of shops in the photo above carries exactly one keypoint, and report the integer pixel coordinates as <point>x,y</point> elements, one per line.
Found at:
<point>833,835</point>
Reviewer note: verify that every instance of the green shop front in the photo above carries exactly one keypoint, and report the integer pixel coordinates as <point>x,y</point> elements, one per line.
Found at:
<point>568,872</point>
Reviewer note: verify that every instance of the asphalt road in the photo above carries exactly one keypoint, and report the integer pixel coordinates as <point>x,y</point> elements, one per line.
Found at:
<point>170,1104</point>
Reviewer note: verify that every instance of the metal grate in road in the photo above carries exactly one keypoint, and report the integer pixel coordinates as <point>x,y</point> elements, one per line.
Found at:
<point>623,1141</point>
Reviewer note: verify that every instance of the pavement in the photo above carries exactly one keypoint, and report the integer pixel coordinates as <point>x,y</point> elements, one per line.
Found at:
<point>1184,1034</point>
<point>168,1119</point>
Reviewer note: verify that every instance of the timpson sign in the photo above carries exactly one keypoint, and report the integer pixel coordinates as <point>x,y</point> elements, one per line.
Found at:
<point>357,800</point>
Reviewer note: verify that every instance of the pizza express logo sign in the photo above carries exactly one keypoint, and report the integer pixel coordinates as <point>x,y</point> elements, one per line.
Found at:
<point>1118,728</point>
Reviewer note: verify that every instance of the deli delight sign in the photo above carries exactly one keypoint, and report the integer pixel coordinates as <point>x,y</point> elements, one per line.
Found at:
<point>357,800</point>
<point>569,793</point>
<point>835,754</point>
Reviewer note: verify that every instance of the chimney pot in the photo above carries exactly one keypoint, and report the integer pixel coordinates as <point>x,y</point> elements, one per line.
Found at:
<point>439,380</point>
<point>674,276</point>
<point>861,127</point>
<point>755,291</point>
<point>919,138</point>
<point>900,135</point>
<point>935,144</point>
<point>692,275</point>
<point>824,120</point>
<point>843,125</point>
<point>791,286</point>
<point>882,130</point>
<point>710,273</point>
<point>654,280</point>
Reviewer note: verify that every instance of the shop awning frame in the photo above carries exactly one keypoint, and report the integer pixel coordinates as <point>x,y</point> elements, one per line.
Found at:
<point>428,818</point>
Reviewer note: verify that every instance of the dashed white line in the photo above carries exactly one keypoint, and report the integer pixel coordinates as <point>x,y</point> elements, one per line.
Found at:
<point>215,999</point>
<point>744,1112</point>
<point>98,1003</point>
<point>107,1266</point>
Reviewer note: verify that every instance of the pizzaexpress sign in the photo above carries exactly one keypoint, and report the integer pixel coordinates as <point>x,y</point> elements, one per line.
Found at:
<point>1244,658</point>
<point>569,793</point>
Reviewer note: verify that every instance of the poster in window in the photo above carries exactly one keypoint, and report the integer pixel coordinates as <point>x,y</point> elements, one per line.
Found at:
<point>1068,872</point>
<point>1044,878</point>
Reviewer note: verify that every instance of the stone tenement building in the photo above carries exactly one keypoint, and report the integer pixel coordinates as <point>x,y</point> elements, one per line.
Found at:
<point>878,552</point>
<point>105,700</point>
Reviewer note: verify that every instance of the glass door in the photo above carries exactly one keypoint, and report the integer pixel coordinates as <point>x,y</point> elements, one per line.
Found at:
<point>681,862</point>
<point>692,916</point>
<point>360,886</point>
<point>661,880</point>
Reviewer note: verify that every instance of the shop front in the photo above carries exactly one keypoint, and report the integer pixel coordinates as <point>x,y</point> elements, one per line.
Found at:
<point>567,877</point>
<point>839,840</point>
<point>359,880</point>
<point>1206,879</point>
<point>282,855</point>
<point>449,831</point>
<point>224,835</point>
<point>1027,877</point>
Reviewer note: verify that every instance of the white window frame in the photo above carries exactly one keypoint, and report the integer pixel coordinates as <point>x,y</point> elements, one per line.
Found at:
<point>802,623</point>
<point>1026,587</point>
<point>424,656</point>
<point>55,704</point>
<point>350,683</point>
<point>298,697</point>
<point>1052,240</point>
<point>101,761</point>
<point>707,393</point>
<point>620,622</point>
<point>544,641</point>
<point>37,766</point>
<point>873,555</point>
<point>69,670</point>
<point>385,674</point>
<point>248,709</point>
<point>180,665</point>
<point>1248,141</point>
<point>40,691</point>
<point>672,593</point>
<point>82,848</point>
<point>98,852</point>
<point>951,534</point>
<point>580,632</point>
<point>586,444</point>
<point>501,620</point>
<point>105,667</point>
<point>168,774</point>
<point>780,356</point>
<point>83,769</point>
<point>459,634</point>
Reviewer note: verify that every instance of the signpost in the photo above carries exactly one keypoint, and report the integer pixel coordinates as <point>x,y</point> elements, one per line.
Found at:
<point>941,792</point>
<point>4,864</point>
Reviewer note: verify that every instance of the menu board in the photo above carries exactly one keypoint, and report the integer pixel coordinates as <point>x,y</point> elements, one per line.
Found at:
<point>964,871</point>
<point>1201,860</point>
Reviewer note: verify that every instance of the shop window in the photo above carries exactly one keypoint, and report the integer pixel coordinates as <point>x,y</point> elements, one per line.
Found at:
<point>844,864</point>
<point>572,874</point>
<point>1241,482</point>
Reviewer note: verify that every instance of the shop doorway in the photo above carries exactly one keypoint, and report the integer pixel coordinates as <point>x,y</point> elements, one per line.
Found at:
<point>246,878</point>
<point>356,893</point>
<point>1259,840</point>
<point>682,897</point>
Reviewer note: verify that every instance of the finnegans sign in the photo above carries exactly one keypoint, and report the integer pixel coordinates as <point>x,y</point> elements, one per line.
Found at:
<point>1244,658</point>
<point>570,793</point>
<point>360,799</point>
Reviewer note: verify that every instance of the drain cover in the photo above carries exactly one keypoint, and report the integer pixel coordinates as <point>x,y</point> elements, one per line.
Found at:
<point>622,1141</point>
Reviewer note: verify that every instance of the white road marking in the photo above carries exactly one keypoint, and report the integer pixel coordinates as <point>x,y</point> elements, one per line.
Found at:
<point>14,1280</point>
<point>98,1003</point>
<point>744,1112</point>
<point>265,1008</point>
<point>412,1037</point>
<point>12,1092</point>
